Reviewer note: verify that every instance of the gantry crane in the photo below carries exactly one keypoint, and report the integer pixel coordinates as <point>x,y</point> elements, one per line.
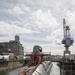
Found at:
<point>67,40</point>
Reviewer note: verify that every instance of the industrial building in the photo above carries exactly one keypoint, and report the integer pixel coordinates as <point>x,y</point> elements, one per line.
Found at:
<point>13,46</point>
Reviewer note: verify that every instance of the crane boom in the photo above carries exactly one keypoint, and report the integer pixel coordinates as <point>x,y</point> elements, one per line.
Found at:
<point>64,28</point>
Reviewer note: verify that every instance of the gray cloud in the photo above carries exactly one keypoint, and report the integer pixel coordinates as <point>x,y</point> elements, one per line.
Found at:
<point>38,21</point>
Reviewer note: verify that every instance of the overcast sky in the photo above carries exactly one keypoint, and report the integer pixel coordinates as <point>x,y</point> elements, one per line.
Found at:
<point>37,22</point>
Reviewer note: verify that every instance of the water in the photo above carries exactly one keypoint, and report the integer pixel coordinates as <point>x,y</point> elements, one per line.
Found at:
<point>55,71</point>
<point>11,72</point>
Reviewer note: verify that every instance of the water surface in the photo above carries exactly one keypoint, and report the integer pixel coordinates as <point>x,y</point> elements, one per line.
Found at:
<point>55,71</point>
<point>11,72</point>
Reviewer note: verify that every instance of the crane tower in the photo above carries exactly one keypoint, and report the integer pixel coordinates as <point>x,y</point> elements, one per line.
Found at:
<point>67,40</point>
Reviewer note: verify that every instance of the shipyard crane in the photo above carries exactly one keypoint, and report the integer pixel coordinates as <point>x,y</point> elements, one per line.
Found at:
<point>67,40</point>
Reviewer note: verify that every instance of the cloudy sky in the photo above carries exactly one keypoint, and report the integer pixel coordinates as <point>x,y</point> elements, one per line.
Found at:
<point>37,22</point>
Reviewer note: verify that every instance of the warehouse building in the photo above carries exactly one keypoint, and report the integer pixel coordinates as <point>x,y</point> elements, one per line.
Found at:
<point>13,46</point>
